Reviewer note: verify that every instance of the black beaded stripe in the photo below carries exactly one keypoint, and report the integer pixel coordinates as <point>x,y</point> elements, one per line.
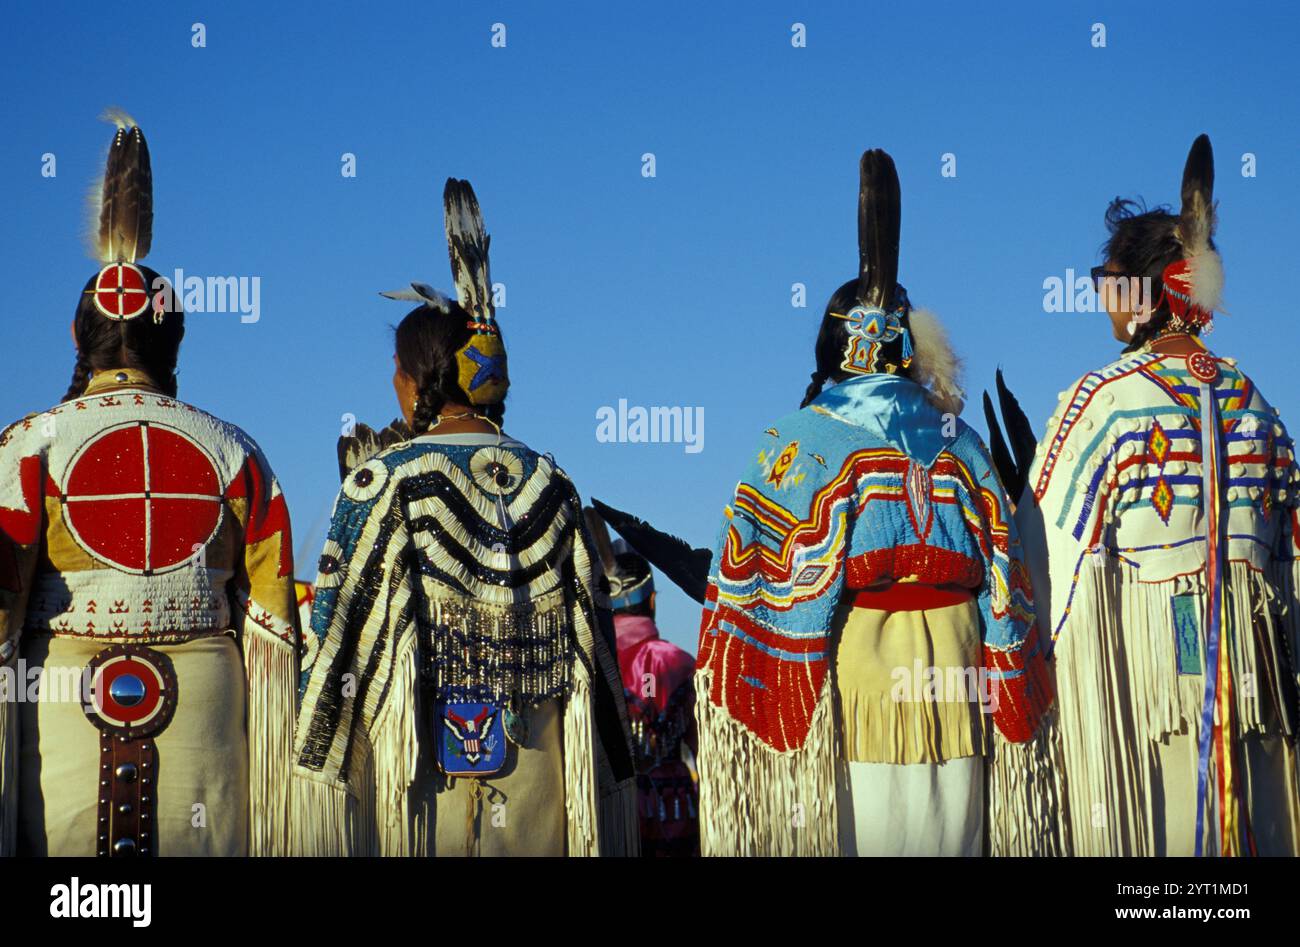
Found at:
<point>370,582</point>
<point>508,578</point>
<point>529,528</point>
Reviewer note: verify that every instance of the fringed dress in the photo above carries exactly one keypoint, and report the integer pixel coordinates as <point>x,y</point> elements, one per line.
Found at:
<point>1166,484</point>
<point>128,518</point>
<point>463,698</point>
<point>869,681</point>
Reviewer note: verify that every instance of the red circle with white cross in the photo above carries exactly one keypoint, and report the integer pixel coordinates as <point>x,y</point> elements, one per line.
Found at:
<point>142,497</point>
<point>121,291</point>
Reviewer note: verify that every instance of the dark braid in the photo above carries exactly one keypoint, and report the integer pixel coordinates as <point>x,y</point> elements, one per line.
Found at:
<point>814,388</point>
<point>80,378</point>
<point>138,343</point>
<point>427,342</point>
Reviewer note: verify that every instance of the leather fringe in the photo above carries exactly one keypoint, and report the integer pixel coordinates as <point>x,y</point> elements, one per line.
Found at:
<point>756,801</point>
<point>1024,794</point>
<point>271,669</point>
<point>580,768</point>
<point>9,708</point>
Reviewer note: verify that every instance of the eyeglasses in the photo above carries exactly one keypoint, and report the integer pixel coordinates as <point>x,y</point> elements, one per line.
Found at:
<point>1100,274</point>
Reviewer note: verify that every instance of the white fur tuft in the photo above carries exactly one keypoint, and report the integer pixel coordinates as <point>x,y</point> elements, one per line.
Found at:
<point>116,116</point>
<point>934,363</point>
<point>1206,270</point>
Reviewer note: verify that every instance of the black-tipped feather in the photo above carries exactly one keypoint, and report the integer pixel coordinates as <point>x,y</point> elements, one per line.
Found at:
<point>1019,431</point>
<point>1008,473</point>
<point>600,536</point>
<point>365,442</point>
<point>126,199</point>
<point>467,243</point>
<point>879,222</point>
<point>1196,217</point>
<point>685,567</point>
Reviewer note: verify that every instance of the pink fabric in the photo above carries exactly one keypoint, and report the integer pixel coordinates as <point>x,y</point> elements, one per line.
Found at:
<point>641,651</point>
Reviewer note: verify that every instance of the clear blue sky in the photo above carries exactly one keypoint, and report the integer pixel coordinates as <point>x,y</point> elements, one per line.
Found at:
<point>666,291</point>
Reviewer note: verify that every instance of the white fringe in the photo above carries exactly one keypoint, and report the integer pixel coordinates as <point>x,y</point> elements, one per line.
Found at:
<point>392,764</point>
<point>271,669</point>
<point>1119,692</point>
<point>1023,803</point>
<point>756,801</point>
<point>580,768</point>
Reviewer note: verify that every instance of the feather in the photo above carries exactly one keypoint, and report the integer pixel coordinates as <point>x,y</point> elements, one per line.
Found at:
<point>685,567</point>
<point>998,451</point>
<point>422,293</point>
<point>467,243</point>
<point>1197,220</point>
<point>364,443</point>
<point>879,210</point>
<point>600,536</point>
<point>125,198</point>
<point>1024,444</point>
<point>935,366</point>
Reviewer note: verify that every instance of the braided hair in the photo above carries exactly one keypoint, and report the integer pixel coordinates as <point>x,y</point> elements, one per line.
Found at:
<point>1142,243</point>
<point>427,342</point>
<point>138,343</point>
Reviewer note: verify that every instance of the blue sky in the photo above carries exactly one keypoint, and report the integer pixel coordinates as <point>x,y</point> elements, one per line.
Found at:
<point>666,291</point>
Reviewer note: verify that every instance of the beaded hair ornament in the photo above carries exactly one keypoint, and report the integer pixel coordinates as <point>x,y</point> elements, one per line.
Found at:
<point>481,362</point>
<point>879,331</point>
<point>122,227</point>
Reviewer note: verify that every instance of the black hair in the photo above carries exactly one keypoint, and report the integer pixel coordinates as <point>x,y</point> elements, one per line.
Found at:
<point>138,343</point>
<point>833,339</point>
<point>427,342</point>
<point>632,566</point>
<point>1142,243</point>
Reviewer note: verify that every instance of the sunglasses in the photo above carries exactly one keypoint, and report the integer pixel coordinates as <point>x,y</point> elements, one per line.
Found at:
<point>1100,274</point>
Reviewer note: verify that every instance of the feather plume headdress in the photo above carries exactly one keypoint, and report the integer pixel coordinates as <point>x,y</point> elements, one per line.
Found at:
<point>481,362</point>
<point>122,225</point>
<point>885,334</point>
<point>1193,286</point>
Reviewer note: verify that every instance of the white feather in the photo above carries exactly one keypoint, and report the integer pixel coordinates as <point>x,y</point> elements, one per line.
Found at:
<point>935,365</point>
<point>1206,271</point>
<point>117,116</point>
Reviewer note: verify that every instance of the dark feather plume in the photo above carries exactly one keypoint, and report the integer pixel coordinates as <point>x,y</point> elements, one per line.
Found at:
<point>1024,444</point>
<point>1012,463</point>
<point>365,442</point>
<point>879,222</point>
<point>685,567</point>
<point>600,536</point>
<point>1008,473</point>
<point>1196,218</point>
<point>125,230</point>
<point>467,243</point>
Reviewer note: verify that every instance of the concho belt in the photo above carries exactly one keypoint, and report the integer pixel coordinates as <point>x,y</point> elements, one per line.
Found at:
<point>132,699</point>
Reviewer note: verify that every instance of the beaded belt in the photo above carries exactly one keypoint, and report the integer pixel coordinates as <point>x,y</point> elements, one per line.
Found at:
<point>132,700</point>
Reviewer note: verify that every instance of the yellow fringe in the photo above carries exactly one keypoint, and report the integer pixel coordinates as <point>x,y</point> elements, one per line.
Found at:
<point>879,729</point>
<point>1023,803</point>
<point>271,668</point>
<point>580,768</point>
<point>755,801</point>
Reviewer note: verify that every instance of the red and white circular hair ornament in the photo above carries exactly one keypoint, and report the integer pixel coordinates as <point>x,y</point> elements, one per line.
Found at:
<point>121,291</point>
<point>1180,292</point>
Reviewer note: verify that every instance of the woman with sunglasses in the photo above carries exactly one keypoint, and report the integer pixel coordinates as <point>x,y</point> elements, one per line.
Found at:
<point>1162,531</point>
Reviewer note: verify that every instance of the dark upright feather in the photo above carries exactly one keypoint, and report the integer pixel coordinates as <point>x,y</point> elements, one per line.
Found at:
<point>467,243</point>
<point>879,222</point>
<point>126,199</point>
<point>600,536</point>
<point>685,567</point>
<point>1196,218</point>
<point>1019,431</point>
<point>364,442</point>
<point>1007,470</point>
